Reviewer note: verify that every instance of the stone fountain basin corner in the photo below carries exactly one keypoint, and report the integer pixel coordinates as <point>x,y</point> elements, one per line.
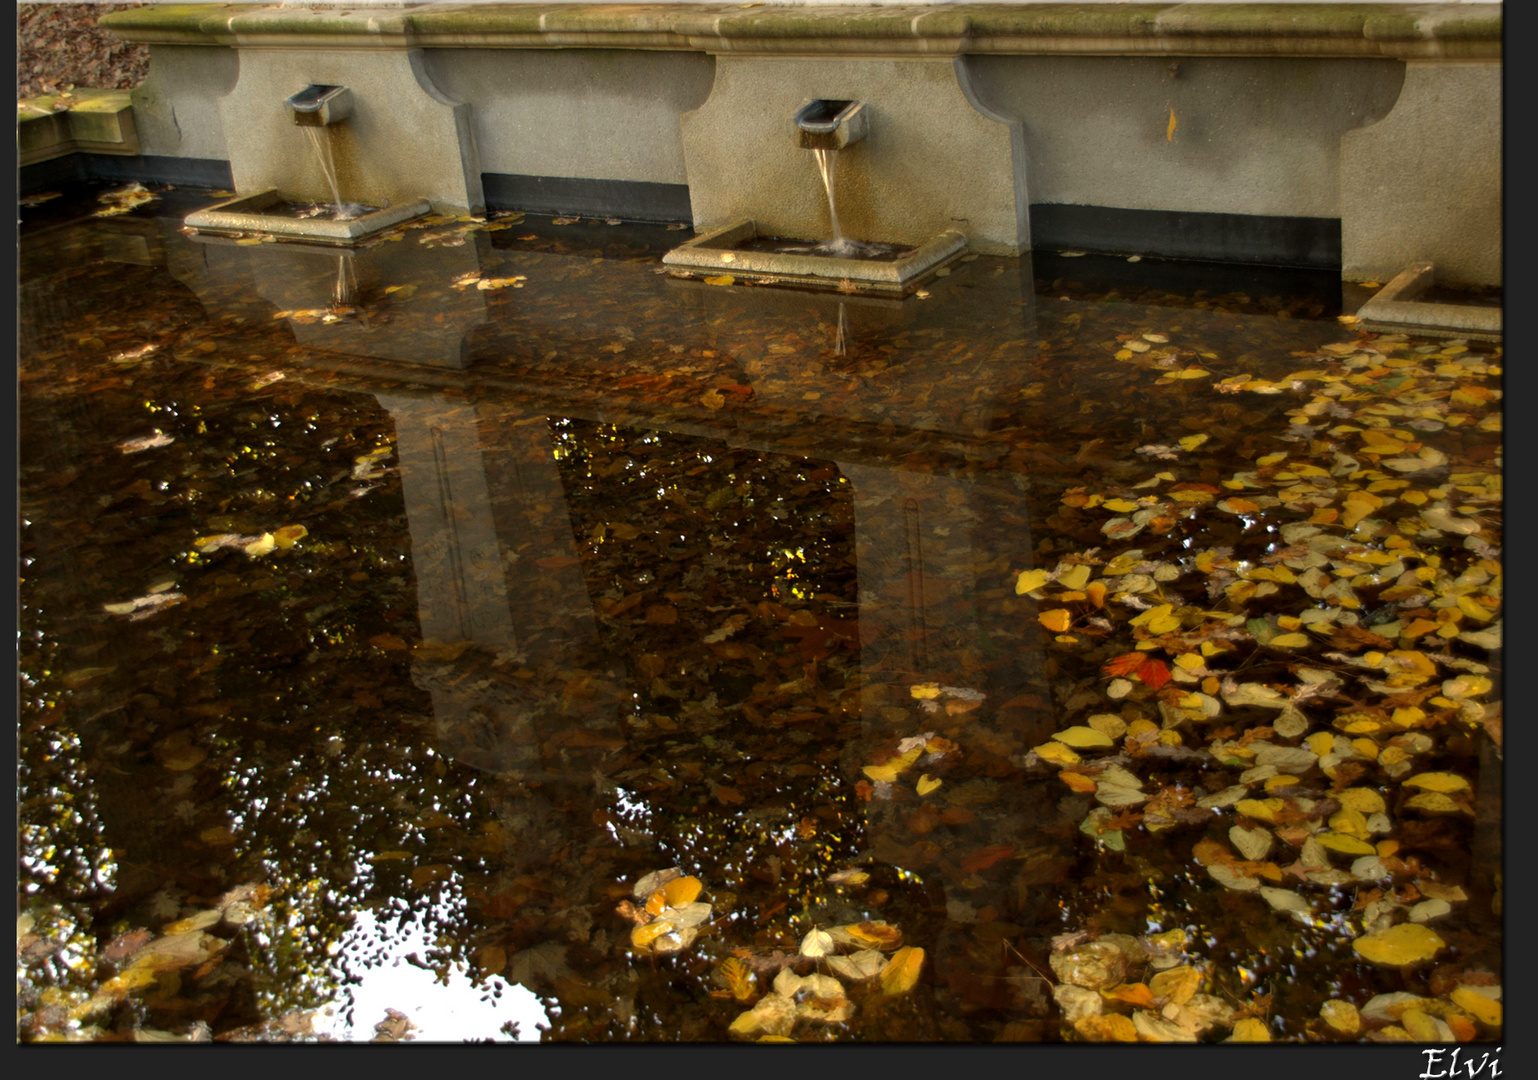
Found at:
<point>246,214</point>
<point>716,251</point>
<point>1397,308</point>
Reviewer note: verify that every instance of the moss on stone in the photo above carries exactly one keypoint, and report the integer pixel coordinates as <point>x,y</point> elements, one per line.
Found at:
<point>1318,29</point>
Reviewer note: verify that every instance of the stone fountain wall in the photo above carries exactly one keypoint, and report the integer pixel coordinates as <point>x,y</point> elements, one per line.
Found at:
<point>1358,136</point>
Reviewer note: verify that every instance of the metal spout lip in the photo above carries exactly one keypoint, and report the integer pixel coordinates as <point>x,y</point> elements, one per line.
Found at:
<point>830,123</point>
<point>320,105</point>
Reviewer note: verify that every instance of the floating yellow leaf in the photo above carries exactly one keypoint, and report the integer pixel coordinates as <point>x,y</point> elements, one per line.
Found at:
<point>289,535</point>
<point>884,774</point>
<point>721,279</point>
<point>1260,809</point>
<point>1169,132</point>
<point>1288,641</point>
<point>713,399</point>
<point>1177,984</point>
<point>262,545</point>
<point>1406,943</point>
<point>1075,577</point>
<point>876,935</point>
<point>1250,1029</point>
<point>926,784</point>
<point>1106,1027</point>
<point>1362,800</point>
<point>925,691</point>
<point>1057,752</point>
<point>1191,442</point>
<point>644,935</point>
<point>1031,580</point>
<point>1083,738</point>
<point>1438,781</point>
<point>1121,506</point>
<point>902,971</point>
<point>1341,1016</point>
<point>1433,801</point>
<point>1485,1010</point>
<point>1056,620</point>
<point>1345,844</point>
<point>1349,821</point>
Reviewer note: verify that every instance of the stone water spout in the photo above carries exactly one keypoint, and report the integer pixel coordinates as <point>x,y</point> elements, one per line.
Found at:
<point>824,126</point>
<point>321,106</point>
<point>830,124</point>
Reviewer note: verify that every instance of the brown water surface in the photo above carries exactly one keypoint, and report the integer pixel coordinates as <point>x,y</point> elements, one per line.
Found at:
<point>1092,640</point>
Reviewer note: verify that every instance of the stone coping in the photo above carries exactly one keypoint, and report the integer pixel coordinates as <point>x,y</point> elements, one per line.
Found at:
<point>1398,31</point>
<point>83,121</point>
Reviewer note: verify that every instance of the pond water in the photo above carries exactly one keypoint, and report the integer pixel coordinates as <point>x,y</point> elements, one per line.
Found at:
<point>1105,653</point>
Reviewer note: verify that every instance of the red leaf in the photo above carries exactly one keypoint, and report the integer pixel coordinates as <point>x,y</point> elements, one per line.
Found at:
<point>981,860</point>
<point>1154,672</point>
<point>1125,664</point>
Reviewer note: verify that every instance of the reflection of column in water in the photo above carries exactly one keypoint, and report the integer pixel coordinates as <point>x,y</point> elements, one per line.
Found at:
<point>838,342</point>
<point>346,290</point>
<point>932,611</point>
<point>497,566</point>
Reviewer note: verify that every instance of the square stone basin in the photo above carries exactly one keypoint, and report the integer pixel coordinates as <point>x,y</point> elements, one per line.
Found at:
<point>729,250</point>
<point>1411,304</point>
<point>263,213</point>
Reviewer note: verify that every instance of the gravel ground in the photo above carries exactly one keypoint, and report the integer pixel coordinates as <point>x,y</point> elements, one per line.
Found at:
<point>58,46</point>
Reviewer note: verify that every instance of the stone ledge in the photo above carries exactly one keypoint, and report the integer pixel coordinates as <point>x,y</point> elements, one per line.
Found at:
<point>1396,31</point>
<point>91,122</point>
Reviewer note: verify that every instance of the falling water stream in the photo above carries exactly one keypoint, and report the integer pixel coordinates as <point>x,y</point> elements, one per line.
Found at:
<point>320,139</point>
<point>837,245</point>
<point>825,162</point>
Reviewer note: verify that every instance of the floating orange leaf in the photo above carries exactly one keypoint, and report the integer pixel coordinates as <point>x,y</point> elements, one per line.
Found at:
<point>681,891</point>
<point>1056,620</point>
<point>1122,665</point>
<point>902,971</point>
<point>1137,994</point>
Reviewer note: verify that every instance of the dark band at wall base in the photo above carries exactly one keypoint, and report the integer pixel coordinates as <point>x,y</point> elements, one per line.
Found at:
<point>633,200</point>
<point>1173,234</point>
<point>116,168</point>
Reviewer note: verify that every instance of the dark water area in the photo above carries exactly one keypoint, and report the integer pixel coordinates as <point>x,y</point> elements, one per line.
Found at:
<point>1020,662</point>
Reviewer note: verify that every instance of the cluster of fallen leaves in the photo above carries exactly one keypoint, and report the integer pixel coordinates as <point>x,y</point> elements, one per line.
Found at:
<point>453,230</point>
<point>668,918</point>
<point>122,200</point>
<point>1374,608</point>
<point>1121,988</point>
<point>184,959</point>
